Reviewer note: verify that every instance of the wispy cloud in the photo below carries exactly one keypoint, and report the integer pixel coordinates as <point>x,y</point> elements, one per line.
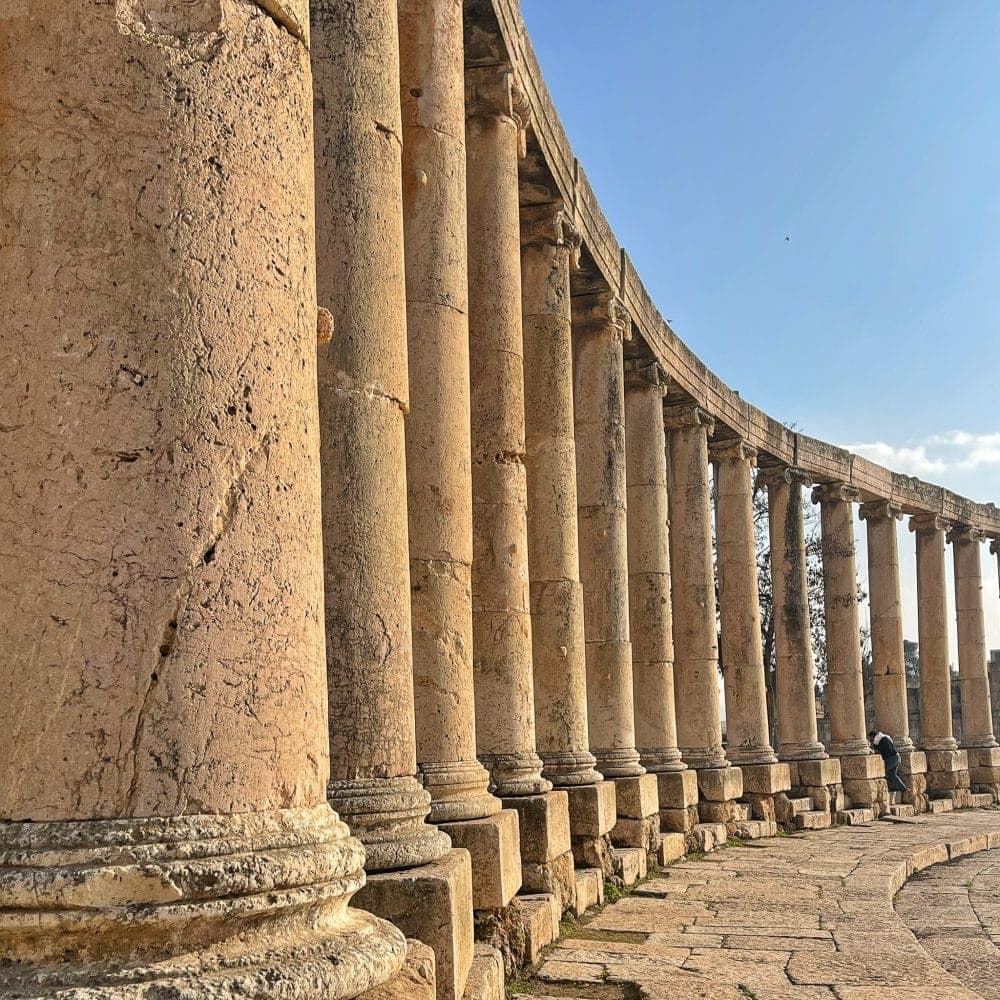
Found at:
<point>935,454</point>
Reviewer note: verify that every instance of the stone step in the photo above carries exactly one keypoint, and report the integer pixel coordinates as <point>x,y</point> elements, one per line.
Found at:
<point>708,836</point>
<point>540,915</point>
<point>902,811</point>
<point>628,863</point>
<point>813,819</point>
<point>941,805</point>
<point>742,812</point>
<point>855,816</point>
<point>754,829</point>
<point>802,805</point>
<point>589,889</point>
<point>486,979</point>
<point>980,800</point>
<point>673,847</point>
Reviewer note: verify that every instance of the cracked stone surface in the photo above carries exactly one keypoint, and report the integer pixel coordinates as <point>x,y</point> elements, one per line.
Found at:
<point>803,918</point>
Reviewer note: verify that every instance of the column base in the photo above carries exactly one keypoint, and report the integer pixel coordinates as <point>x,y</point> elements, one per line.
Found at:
<point>678,795</point>
<point>494,844</point>
<point>749,756</point>
<point>718,790</point>
<point>913,771</point>
<point>432,903</point>
<point>761,784</point>
<point>637,807</point>
<point>809,750</point>
<point>592,815</point>
<point>864,782</point>
<point>699,758</point>
<point>515,774</point>
<point>459,789</point>
<point>388,816</point>
<point>619,763</point>
<point>946,743</point>
<point>416,980</point>
<point>546,850</point>
<point>568,769</point>
<point>204,907</point>
<point>947,772</point>
<point>849,748</point>
<point>662,760</point>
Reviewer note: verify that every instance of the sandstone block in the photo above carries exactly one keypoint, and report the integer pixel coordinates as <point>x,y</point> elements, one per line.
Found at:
<point>541,914</point>
<point>677,789</point>
<point>855,817</point>
<point>554,878</point>
<point>414,981</point>
<point>636,798</point>
<point>754,829</point>
<point>486,979</point>
<point>593,852</point>
<point>717,812</point>
<point>940,805</point>
<point>944,781</point>
<point>765,779</point>
<point>931,854</point>
<point>983,756</point>
<point>592,809</point>
<point>432,903</point>
<point>719,784</point>
<point>913,762</point>
<point>947,760</point>
<point>763,807</point>
<point>543,822</point>
<point>494,844</point>
<point>814,819</point>
<point>642,833</point>
<point>982,800</point>
<point>872,793</point>
<point>815,772</point>
<point>628,864</point>
<point>861,767</point>
<point>708,836</point>
<point>589,889</point>
<point>984,776</point>
<point>673,847</point>
<point>679,820</point>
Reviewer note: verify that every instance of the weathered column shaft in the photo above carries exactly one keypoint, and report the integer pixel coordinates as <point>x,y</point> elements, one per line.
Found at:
<point>505,724</point>
<point>599,325</point>
<point>886,611</point>
<point>795,679</point>
<point>977,713</point>
<point>549,250</point>
<point>845,690</point>
<point>363,398</point>
<point>932,613</point>
<point>162,699</point>
<point>696,652</point>
<point>650,624</point>
<point>747,735</point>
<point>438,460</point>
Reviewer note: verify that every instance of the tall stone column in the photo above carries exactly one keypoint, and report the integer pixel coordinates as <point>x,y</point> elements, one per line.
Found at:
<point>888,665</point>
<point>946,764</point>
<point>650,622</point>
<point>162,702</point>
<point>600,326</point>
<point>978,740</point>
<point>696,647</point>
<point>748,738</point>
<point>862,771</point>
<point>363,396</point>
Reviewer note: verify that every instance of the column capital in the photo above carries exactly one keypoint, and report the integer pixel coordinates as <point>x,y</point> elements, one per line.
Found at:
<point>601,312</point>
<point>880,510</point>
<point>790,474</point>
<point>493,92</point>
<point>732,450</point>
<point>965,533</point>
<point>994,546</point>
<point>642,373</point>
<point>550,225</point>
<point>922,523</point>
<point>687,415</point>
<point>835,493</point>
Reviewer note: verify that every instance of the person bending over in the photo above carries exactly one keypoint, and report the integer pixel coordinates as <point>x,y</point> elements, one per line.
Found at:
<point>882,744</point>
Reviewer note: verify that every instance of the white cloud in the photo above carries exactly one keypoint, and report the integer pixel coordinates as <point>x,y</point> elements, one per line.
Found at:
<point>935,454</point>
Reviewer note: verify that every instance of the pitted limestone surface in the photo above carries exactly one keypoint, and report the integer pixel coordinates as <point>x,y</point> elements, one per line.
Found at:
<point>807,917</point>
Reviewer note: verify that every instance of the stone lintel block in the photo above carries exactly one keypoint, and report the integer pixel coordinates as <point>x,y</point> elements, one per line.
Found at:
<point>913,762</point>
<point>984,776</point>
<point>673,847</point>
<point>720,784</point>
<point>592,809</point>
<point>765,779</point>
<point>555,878</point>
<point>486,979</point>
<point>806,773</point>
<point>983,756</point>
<point>679,820</point>
<point>644,833</point>
<point>543,821</point>
<point>414,981</point>
<point>494,844</point>
<point>947,781</point>
<point>677,789</point>
<point>636,798</point>
<point>432,903</point>
<point>947,760</point>
<point>861,767</point>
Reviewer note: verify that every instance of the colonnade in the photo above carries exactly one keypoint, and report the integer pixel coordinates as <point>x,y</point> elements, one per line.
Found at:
<point>359,547</point>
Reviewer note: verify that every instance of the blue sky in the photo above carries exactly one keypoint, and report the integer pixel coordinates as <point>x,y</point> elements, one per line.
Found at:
<point>864,132</point>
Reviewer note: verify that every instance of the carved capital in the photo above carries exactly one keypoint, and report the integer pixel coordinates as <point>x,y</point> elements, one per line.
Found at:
<point>493,92</point>
<point>550,225</point>
<point>880,510</point>
<point>642,373</point>
<point>732,450</point>
<point>602,312</point>
<point>789,474</point>
<point>687,416</point>
<point>925,523</point>
<point>966,533</point>
<point>835,493</point>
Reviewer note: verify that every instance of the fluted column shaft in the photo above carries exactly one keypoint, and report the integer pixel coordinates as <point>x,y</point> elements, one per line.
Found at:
<point>747,738</point>
<point>438,459</point>
<point>549,249</point>
<point>886,609</point>
<point>932,623</point>
<point>650,623</point>
<point>977,713</point>
<point>505,721</point>
<point>363,396</point>
<point>845,689</point>
<point>794,670</point>
<point>692,585</point>
<point>600,323</point>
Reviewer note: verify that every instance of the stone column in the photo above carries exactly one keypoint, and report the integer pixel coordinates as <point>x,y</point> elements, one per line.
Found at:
<point>362,401</point>
<point>889,668</point>
<point>696,650</point>
<point>162,702</point>
<point>945,762</point>
<point>862,771</point>
<point>600,326</point>
<point>650,623</point>
<point>978,740</point>
<point>748,739</point>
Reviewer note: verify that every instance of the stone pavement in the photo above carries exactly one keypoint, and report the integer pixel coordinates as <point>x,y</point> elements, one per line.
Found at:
<point>804,917</point>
